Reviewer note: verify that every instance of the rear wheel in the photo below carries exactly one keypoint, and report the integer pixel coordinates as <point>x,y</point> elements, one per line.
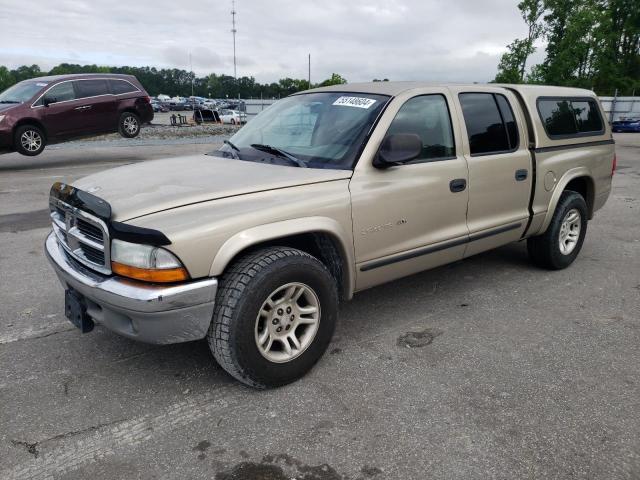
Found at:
<point>29,140</point>
<point>129,125</point>
<point>274,316</point>
<point>559,246</point>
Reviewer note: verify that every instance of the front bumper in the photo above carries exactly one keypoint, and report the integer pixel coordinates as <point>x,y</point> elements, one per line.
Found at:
<point>151,313</point>
<point>6,139</point>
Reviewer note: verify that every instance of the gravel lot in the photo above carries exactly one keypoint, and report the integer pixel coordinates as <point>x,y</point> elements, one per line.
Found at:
<point>485,369</point>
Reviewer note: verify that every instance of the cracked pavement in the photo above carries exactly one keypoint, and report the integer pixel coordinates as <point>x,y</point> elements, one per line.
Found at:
<point>487,368</point>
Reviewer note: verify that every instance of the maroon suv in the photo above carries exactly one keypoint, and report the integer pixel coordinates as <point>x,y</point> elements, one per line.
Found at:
<point>52,109</point>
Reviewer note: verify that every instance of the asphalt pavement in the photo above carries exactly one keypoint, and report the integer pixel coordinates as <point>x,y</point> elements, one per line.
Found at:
<point>485,369</point>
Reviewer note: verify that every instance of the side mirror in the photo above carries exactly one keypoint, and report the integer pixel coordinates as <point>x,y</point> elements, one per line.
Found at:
<point>398,148</point>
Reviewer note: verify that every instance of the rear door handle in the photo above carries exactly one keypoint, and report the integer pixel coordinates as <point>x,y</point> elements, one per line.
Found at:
<point>522,175</point>
<point>457,185</point>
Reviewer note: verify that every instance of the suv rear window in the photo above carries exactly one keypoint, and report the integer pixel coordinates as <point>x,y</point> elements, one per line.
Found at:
<point>491,126</point>
<point>570,117</point>
<point>121,86</point>
<point>91,88</point>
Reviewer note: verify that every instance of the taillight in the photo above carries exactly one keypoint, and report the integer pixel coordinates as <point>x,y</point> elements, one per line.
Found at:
<point>147,99</point>
<point>614,165</point>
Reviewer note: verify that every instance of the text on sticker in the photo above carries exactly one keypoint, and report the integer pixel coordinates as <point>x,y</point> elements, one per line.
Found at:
<point>358,102</point>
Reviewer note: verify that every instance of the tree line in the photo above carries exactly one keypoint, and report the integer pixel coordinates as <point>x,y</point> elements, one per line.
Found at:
<point>176,82</point>
<point>593,44</point>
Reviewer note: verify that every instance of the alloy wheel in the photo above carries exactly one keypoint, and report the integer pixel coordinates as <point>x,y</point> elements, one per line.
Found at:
<point>287,322</point>
<point>570,231</point>
<point>31,141</point>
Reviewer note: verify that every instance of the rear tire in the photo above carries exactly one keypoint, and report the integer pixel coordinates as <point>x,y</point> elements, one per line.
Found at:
<point>29,140</point>
<point>129,125</point>
<point>559,246</point>
<point>253,301</point>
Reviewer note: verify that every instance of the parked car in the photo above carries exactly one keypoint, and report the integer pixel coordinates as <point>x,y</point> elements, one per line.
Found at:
<point>46,110</point>
<point>159,106</point>
<point>233,117</point>
<point>627,125</point>
<point>326,193</point>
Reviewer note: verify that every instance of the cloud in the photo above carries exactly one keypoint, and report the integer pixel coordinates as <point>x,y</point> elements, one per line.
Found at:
<point>360,39</point>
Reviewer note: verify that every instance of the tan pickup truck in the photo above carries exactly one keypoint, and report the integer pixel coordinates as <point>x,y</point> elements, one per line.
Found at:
<point>326,193</point>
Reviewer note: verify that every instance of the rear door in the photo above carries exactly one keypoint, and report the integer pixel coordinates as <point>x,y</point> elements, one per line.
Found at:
<point>500,167</point>
<point>99,106</point>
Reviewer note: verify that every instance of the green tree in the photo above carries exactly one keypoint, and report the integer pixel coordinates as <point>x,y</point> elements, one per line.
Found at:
<point>513,63</point>
<point>6,79</point>
<point>335,79</point>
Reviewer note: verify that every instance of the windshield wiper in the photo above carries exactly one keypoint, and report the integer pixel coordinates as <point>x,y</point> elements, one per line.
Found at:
<point>228,142</point>
<point>279,152</point>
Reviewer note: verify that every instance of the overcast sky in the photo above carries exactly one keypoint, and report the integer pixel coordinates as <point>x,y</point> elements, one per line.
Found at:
<point>438,40</point>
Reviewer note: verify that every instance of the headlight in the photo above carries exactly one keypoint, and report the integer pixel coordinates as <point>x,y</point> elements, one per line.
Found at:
<point>145,262</point>
<point>1,118</point>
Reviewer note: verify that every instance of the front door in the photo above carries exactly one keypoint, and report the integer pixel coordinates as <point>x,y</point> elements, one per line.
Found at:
<point>500,169</point>
<point>63,115</point>
<point>412,216</point>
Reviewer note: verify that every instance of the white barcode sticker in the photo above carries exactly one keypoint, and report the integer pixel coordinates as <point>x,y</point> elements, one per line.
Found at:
<point>40,84</point>
<point>358,102</point>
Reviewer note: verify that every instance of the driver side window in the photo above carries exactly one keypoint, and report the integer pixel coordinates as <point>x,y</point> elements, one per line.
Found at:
<point>60,93</point>
<point>428,117</point>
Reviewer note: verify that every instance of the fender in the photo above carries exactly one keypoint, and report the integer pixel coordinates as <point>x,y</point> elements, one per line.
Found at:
<point>271,231</point>
<point>560,186</point>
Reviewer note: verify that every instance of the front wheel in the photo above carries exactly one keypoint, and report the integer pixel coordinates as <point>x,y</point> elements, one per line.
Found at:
<point>129,125</point>
<point>29,140</point>
<point>559,246</point>
<point>275,315</point>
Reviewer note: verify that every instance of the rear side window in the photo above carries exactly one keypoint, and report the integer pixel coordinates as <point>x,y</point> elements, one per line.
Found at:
<point>428,117</point>
<point>91,88</point>
<point>121,86</point>
<point>570,117</point>
<point>490,123</point>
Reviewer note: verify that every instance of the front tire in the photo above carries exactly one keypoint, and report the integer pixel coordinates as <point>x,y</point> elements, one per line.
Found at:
<point>559,246</point>
<point>129,125</point>
<point>274,317</point>
<point>29,140</point>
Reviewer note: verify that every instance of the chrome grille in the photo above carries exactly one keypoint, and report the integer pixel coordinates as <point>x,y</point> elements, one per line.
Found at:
<point>82,235</point>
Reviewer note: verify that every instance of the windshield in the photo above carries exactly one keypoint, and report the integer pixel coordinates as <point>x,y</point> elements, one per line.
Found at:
<point>21,92</point>
<point>317,130</point>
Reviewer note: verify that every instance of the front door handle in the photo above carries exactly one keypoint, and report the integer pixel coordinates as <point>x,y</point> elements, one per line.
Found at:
<point>457,185</point>
<point>522,175</point>
<point>84,107</point>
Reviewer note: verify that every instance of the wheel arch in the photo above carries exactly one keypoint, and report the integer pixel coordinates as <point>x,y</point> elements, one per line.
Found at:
<point>321,237</point>
<point>31,121</point>
<point>578,180</point>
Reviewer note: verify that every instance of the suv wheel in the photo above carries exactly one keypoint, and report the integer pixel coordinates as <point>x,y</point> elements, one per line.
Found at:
<point>274,317</point>
<point>129,125</point>
<point>29,140</point>
<point>559,246</point>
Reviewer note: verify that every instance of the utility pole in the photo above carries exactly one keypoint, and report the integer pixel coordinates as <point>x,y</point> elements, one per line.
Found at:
<point>309,71</point>
<point>192,75</point>
<point>233,30</point>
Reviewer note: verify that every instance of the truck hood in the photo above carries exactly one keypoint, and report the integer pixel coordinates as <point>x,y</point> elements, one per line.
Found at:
<point>147,187</point>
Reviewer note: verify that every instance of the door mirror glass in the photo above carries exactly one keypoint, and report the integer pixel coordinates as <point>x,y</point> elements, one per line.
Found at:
<point>398,148</point>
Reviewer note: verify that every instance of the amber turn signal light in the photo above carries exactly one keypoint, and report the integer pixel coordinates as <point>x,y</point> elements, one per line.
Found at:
<point>164,275</point>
